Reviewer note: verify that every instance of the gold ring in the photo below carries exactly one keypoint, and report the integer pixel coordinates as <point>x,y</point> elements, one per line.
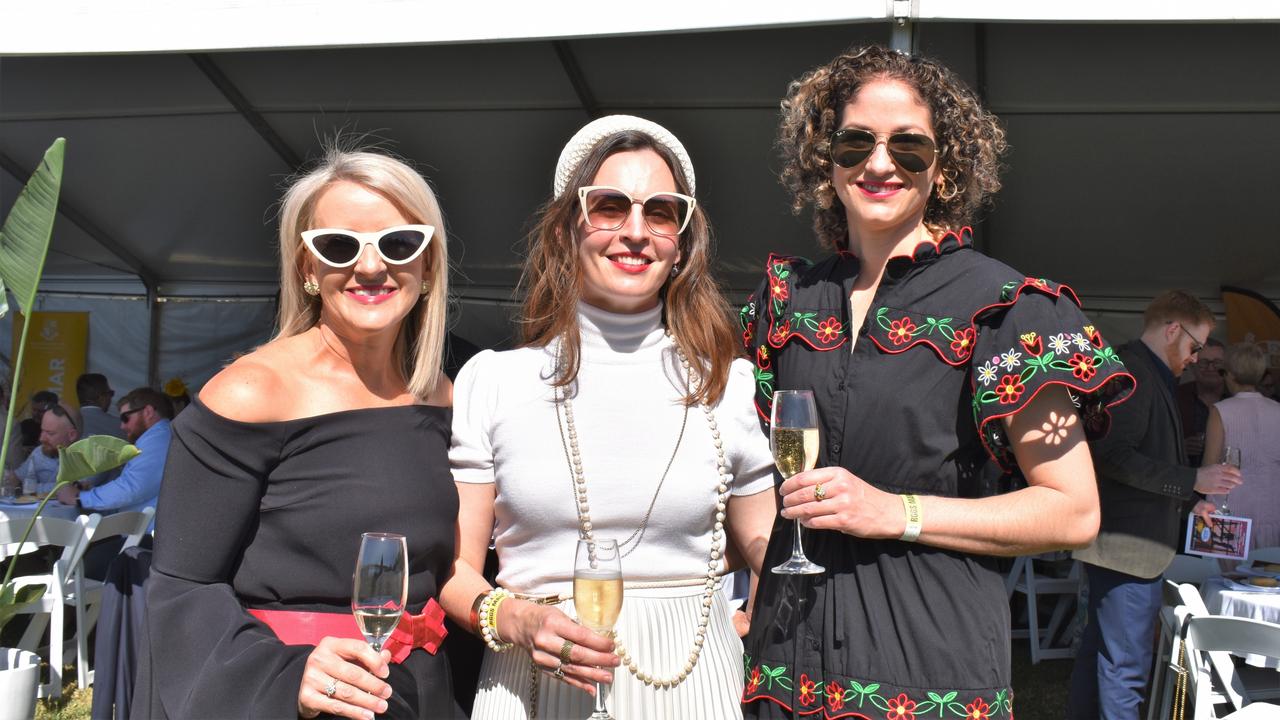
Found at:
<point>819,492</point>
<point>565,650</point>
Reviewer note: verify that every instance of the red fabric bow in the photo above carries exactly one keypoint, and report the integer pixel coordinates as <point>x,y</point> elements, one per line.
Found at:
<point>425,630</point>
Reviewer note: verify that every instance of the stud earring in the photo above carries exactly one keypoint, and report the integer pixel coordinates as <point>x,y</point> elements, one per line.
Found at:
<point>426,287</point>
<point>675,269</point>
<point>311,287</point>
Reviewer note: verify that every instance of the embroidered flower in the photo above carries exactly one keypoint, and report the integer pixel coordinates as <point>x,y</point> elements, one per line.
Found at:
<point>901,708</point>
<point>835,695</point>
<point>779,333</point>
<point>963,343</point>
<point>1009,360</point>
<point>987,373</point>
<point>753,683</point>
<point>829,329</point>
<point>778,289</point>
<point>977,710</point>
<point>1010,389</point>
<point>1060,343</point>
<point>1031,343</point>
<point>1095,337</point>
<point>748,333</point>
<point>762,357</point>
<point>807,690</point>
<point>1081,341</point>
<point>1038,282</point>
<point>1082,366</point>
<point>900,331</point>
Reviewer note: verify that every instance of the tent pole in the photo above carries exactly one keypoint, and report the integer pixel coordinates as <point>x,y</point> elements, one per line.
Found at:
<point>902,37</point>
<point>153,336</point>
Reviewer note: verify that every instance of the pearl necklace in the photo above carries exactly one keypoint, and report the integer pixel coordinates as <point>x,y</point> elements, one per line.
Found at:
<point>717,534</point>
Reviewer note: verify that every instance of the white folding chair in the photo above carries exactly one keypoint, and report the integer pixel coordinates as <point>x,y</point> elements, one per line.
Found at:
<point>1214,680</point>
<point>88,602</point>
<point>48,611</point>
<point>1024,579</point>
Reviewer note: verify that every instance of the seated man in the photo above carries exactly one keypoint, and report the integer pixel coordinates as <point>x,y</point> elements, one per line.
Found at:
<point>95,395</point>
<point>144,417</point>
<point>59,427</point>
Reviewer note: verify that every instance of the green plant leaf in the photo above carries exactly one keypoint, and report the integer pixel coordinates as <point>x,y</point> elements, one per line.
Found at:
<point>11,600</point>
<point>92,455</point>
<point>24,239</point>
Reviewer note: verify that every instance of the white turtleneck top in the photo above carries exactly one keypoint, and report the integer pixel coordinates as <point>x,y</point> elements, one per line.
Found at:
<point>627,412</point>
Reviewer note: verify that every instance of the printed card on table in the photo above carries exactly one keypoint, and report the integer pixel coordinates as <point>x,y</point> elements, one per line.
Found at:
<point>1228,538</point>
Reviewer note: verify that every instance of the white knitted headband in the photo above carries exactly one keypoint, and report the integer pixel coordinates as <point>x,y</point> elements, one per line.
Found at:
<point>585,140</point>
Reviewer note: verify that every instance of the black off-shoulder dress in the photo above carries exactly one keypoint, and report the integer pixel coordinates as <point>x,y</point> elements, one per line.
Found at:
<point>269,515</point>
<point>953,341</point>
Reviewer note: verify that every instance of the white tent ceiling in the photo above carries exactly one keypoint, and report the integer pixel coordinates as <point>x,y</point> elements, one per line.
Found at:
<point>1144,154</point>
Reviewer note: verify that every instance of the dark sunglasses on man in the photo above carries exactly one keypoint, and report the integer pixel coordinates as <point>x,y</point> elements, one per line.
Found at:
<point>912,152</point>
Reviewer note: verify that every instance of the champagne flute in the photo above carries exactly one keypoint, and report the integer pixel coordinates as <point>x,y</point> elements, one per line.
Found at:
<point>381,585</point>
<point>793,436</point>
<point>1230,456</point>
<point>597,595</point>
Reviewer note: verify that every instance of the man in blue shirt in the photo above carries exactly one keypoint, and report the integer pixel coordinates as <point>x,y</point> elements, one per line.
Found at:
<point>144,418</point>
<point>58,429</point>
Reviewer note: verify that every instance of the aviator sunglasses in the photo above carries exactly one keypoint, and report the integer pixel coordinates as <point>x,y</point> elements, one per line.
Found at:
<point>910,151</point>
<point>341,248</point>
<point>607,208</point>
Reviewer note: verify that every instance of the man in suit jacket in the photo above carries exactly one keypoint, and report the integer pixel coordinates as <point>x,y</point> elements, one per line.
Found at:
<point>1144,487</point>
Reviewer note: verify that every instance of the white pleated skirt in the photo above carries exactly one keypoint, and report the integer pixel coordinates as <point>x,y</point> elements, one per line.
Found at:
<point>657,626</point>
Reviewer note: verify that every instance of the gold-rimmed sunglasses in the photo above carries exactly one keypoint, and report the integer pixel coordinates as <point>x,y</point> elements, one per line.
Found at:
<point>605,207</point>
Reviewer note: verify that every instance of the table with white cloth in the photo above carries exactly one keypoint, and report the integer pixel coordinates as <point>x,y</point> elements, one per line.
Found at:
<point>1224,597</point>
<point>25,511</point>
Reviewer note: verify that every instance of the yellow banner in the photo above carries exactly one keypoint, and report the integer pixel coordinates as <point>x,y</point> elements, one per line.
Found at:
<point>57,352</point>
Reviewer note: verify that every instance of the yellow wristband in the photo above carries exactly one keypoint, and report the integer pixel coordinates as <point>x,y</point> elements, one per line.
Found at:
<point>911,504</point>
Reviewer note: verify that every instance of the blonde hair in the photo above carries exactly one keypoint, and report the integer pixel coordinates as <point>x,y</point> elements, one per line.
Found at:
<point>420,344</point>
<point>1246,362</point>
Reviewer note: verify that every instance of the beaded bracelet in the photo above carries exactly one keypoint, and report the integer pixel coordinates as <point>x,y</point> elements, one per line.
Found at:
<point>489,620</point>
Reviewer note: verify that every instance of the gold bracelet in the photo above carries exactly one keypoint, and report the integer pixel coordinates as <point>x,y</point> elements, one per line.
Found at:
<point>474,617</point>
<point>911,504</point>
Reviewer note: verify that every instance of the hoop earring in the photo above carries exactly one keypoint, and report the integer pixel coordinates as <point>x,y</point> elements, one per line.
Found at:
<point>311,287</point>
<point>947,189</point>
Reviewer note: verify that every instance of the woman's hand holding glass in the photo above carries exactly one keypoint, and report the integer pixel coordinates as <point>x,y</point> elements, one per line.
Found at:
<point>848,504</point>
<point>353,670</point>
<point>542,629</point>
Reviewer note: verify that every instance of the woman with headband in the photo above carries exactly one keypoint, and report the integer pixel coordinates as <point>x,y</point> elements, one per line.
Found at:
<point>934,368</point>
<point>337,426</point>
<point>623,416</point>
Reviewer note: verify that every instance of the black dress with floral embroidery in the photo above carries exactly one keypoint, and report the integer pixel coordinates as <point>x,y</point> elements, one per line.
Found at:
<point>953,341</point>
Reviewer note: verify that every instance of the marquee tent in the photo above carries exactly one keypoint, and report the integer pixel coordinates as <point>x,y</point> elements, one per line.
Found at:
<point>1144,142</point>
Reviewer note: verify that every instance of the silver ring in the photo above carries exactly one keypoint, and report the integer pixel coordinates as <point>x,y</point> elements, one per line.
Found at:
<point>558,673</point>
<point>331,688</point>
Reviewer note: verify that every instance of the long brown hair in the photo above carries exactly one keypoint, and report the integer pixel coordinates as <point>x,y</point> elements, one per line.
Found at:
<point>694,310</point>
<point>970,139</point>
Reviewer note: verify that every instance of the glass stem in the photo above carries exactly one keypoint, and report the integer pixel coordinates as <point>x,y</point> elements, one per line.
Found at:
<point>797,550</point>
<point>600,710</point>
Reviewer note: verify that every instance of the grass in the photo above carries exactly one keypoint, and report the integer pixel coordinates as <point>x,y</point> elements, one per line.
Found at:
<point>75,703</point>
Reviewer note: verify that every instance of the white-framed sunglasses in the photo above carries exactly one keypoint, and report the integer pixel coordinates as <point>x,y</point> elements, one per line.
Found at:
<point>605,207</point>
<point>342,248</point>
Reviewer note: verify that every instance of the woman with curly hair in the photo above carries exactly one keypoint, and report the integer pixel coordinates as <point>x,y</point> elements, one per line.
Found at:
<point>940,376</point>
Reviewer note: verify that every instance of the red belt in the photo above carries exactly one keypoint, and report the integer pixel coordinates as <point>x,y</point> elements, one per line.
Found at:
<point>425,630</point>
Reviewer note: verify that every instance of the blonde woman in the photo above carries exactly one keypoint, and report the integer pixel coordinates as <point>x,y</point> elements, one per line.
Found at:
<point>337,426</point>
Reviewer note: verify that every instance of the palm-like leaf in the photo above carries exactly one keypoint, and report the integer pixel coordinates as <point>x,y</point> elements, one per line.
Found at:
<point>24,239</point>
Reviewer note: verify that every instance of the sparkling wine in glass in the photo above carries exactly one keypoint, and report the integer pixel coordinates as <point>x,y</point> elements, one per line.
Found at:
<point>597,595</point>
<point>793,435</point>
<point>1230,456</point>
<point>381,585</point>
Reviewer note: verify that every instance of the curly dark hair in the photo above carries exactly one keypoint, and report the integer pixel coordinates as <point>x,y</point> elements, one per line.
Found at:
<point>970,139</point>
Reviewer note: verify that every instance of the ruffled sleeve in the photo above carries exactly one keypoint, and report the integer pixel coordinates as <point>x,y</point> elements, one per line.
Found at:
<point>1035,336</point>
<point>471,449</point>
<point>209,657</point>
